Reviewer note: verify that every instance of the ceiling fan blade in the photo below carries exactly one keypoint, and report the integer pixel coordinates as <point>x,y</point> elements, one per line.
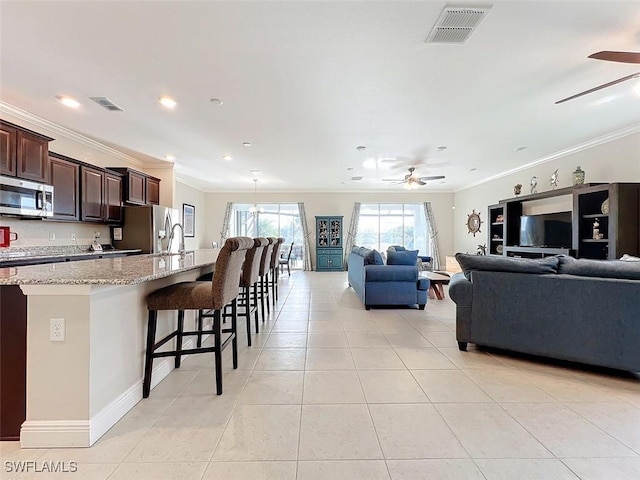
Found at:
<point>600,87</point>
<point>622,57</point>
<point>434,177</point>
<point>420,182</point>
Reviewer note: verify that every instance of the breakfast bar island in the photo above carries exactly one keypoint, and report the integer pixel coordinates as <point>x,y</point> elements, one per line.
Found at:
<point>86,330</point>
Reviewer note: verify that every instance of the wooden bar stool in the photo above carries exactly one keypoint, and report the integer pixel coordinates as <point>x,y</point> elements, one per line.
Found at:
<point>274,268</point>
<point>265,264</point>
<point>249,283</point>
<point>214,295</point>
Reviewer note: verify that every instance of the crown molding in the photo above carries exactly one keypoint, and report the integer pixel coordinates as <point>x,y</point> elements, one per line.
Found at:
<point>68,134</point>
<point>617,135</point>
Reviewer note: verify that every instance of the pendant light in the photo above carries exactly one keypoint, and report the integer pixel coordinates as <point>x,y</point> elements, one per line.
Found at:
<point>254,209</point>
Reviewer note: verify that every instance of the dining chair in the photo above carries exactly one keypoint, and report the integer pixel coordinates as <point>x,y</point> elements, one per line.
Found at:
<point>286,261</point>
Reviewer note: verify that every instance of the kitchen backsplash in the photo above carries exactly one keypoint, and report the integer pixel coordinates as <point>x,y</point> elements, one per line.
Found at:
<point>47,233</point>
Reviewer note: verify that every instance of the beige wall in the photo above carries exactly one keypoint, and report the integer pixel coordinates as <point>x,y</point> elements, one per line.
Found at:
<point>615,161</point>
<point>334,204</point>
<point>192,196</point>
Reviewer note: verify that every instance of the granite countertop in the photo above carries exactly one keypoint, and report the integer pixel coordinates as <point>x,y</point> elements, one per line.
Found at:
<point>128,270</point>
<point>44,253</point>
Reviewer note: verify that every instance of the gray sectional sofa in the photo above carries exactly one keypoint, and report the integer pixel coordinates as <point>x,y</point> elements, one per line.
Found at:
<point>585,311</point>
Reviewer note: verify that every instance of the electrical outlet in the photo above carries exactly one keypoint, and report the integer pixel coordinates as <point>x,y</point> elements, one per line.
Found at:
<point>56,329</point>
<point>52,235</point>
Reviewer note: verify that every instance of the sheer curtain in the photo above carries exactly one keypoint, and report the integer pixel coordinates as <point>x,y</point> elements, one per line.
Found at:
<point>352,232</point>
<point>306,263</point>
<point>225,224</point>
<point>433,234</point>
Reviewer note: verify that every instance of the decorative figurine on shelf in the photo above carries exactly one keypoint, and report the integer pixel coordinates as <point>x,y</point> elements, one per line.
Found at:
<point>578,176</point>
<point>534,184</point>
<point>596,229</point>
<point>554,180</point>
<point>500,219</point>
<point>517,189</point>
<point>482,249</point>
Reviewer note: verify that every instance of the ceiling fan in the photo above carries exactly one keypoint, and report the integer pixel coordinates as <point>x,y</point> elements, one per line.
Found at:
<point>608,56</point>
<point>412,180</point>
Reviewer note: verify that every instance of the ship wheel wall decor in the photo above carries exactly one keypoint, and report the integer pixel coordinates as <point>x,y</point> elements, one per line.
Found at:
<point>474,222</point>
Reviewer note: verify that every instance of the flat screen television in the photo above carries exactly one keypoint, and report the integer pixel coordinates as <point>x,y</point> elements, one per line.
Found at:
<point>546,230</point>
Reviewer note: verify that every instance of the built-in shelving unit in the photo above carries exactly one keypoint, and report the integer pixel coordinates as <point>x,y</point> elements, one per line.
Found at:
<point>618,222</point>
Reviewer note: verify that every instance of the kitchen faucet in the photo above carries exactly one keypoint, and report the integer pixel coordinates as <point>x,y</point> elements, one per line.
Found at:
<point>171,235</point>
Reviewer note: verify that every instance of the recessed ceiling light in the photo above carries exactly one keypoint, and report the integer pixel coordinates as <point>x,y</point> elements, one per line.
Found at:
<point>361,148</point>
<point>68,101</point>
<point>441,148</point>
<point>256,172</point>
<point>519,149</point>
<point>216,101</point>
<point>168,102</point>
<point>227,157</point>
<point>169,157</point>
<point>246,144</point>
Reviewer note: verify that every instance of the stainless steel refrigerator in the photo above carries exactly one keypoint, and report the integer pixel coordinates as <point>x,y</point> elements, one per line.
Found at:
<point>148,228</point>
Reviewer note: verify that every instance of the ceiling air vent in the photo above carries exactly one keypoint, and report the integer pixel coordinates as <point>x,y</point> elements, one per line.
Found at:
<point>108,104</point>
<point>455,24</point>
<point>356,179</point>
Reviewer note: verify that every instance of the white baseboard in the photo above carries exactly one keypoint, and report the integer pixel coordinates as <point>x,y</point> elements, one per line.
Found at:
<point>84,433</point>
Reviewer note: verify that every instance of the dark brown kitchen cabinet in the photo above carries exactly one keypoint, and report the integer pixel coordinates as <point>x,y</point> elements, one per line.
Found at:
<point>8,136</point>
<point>153,191</point>
<point>24,154</point>
<point>139,188</point>
<point>13,361</point>
<point>92,193</point>
<point>65,178</point>
<point>113,197</point>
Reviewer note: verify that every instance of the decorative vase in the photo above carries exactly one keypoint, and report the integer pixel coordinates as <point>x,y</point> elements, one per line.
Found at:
<point>578,176</point>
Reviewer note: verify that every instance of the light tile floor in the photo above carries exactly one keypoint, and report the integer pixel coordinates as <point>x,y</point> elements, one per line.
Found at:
<point>330,391</point>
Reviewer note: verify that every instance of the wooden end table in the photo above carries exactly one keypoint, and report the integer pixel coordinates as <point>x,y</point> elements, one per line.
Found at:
<point>436,282</point>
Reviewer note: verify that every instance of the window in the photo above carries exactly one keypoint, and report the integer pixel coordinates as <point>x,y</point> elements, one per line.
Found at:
<point>383,225</point>
<point>271,220</point>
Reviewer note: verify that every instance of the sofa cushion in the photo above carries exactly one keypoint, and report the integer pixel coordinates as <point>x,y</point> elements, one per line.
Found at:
<point>470,262</point>
<point>406,257</point>
<point>377,257</point>
<point>599,268</point>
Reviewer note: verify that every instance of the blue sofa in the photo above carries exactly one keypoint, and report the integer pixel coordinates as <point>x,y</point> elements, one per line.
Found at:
<point>585,311</point>
<point>378,285</point>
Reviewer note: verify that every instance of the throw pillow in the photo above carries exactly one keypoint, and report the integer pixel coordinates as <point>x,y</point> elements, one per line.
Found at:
<point>469,262</point>
<point>407,257</point>
<point>384,258</point>
<point>377,258</point>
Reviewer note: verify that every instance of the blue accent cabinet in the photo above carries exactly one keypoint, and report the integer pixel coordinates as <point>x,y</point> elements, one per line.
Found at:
<point>329,249</point>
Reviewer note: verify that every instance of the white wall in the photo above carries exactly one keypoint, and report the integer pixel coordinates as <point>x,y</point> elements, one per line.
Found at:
<point>334,204</point>
<point>615,161</point>
<point>192,196</point>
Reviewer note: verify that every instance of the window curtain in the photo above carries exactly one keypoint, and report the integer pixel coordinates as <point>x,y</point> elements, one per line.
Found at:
<point>306,262</point>
<point>352,232</point>
<point>433,235</point>
<point>225,224</point>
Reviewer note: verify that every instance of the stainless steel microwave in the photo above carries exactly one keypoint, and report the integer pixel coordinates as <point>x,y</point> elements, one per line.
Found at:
<point>25,198</point>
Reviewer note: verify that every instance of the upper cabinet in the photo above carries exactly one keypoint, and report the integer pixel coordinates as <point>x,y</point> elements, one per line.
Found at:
<point>139,188</point>
<point>65,178</point>
<point>23,153</point>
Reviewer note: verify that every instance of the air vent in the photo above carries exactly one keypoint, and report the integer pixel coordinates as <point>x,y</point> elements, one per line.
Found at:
<point>356,179</point>
<point>455,24</point>
<point>108,104</point>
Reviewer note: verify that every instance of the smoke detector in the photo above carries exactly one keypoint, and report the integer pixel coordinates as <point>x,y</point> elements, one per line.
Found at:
<point>456,24</point>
